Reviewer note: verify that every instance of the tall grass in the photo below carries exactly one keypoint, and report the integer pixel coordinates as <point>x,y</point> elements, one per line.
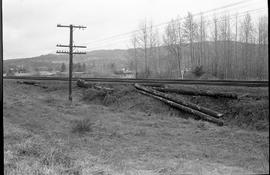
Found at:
<point>82,126</point>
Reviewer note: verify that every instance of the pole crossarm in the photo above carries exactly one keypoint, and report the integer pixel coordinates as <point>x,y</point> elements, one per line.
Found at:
<point>79,52</point>
<point>79,46</point>
<point>59,25</point>
<point>60,45</point>
<point>60,51</point>
<point>80,27</point>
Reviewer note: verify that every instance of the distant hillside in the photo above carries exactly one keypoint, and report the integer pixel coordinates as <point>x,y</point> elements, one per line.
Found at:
<point>54,61</point>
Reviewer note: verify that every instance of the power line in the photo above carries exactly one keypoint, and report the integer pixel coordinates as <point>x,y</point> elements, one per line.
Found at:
<point>124,36</point>
<point>208,11</point>
<point>127,39</point>
<point>219,20</point>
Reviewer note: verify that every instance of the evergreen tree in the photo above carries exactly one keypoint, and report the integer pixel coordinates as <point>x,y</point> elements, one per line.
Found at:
<point>79,69</point>
<point>84,67</point>
<point>63,67</point>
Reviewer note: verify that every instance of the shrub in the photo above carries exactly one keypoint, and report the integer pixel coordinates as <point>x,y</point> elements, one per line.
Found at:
<point>109,99</point>
<point>82,126</point>
<point>201,125</point>
<point>91,94</point>
<point>198,71</point>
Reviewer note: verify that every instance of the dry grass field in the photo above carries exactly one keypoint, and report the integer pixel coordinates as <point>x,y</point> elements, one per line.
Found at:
<point>127,133</point>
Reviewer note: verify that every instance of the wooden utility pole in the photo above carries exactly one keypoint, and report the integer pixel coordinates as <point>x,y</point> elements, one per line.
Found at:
<point>71,46</point>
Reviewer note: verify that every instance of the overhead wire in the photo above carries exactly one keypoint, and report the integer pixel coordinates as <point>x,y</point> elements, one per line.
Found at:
<point>219,20</point>
<point>164,23</point>
<point>205,17</point>
<point>253,11</point>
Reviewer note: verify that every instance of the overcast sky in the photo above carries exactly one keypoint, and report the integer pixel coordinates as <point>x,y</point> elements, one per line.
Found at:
<point>30,25</point>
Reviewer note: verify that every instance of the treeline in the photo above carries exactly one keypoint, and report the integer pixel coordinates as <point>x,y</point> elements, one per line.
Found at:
<point>226,47</point>
<point>77,67</point>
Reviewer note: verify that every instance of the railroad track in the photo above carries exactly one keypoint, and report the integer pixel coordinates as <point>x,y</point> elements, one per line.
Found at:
<point>153,81</point>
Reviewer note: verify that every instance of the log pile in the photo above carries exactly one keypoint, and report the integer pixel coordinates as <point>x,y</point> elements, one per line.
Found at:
<point>199,111</point>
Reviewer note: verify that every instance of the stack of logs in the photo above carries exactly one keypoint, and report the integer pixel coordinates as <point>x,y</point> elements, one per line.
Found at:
<point>198,111</point>
<point>158,92</point>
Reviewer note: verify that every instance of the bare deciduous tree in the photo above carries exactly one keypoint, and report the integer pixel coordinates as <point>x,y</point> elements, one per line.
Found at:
<point>239,51</point>
<point>142,39</point>
<point>190,33</point>
<point>247,29</point>
<point>173,41</point>
<point>215,37</point>
<point>134,42</point>
<point>262,41</point>
<point>202,36</point>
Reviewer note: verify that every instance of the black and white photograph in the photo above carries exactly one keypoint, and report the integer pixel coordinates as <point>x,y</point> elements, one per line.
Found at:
<point>135,87</point>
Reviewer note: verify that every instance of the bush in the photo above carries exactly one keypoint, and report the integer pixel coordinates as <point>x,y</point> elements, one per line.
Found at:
<point>109,100</point>
<point>92,94</point>
<point>82,126</point>
<point>198,71</point>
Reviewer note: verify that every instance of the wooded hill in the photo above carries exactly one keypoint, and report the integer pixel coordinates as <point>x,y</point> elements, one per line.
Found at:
<point>94,60</point>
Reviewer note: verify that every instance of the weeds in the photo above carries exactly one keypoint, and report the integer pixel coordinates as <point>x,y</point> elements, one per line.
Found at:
<point>56,157</point>
<point>202,126</point>
<point>82,126</point>
<point>49,99</point>
<point>109,99</point>
<point>91,94</point>
<point>35,156</point>
<point>265,160</point>
<point>30,149</point>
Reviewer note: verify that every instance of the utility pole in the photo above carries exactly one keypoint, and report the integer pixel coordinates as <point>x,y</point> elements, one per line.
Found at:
<point>70,52</point>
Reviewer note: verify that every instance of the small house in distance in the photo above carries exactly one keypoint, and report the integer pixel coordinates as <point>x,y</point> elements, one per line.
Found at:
<point>125,73</point>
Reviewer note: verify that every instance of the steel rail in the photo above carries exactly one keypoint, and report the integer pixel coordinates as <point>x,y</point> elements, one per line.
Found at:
<point>153,81</point>
<point>131,79</point>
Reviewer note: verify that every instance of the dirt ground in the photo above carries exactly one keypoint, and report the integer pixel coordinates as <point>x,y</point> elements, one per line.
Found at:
<point>124,133</point>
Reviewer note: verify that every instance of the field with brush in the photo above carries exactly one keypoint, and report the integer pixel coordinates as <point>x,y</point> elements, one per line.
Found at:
<point>126,133</point>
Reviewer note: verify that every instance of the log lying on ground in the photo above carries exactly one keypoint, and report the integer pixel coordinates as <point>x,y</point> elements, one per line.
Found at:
<point>32,83</point>
<point>197,92</point>
<point>28,82</point>
<point>201,115</point>
<point>103,88</point>
<point>155,85</point>
<point>84,84</point>
<point>182,102</point>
